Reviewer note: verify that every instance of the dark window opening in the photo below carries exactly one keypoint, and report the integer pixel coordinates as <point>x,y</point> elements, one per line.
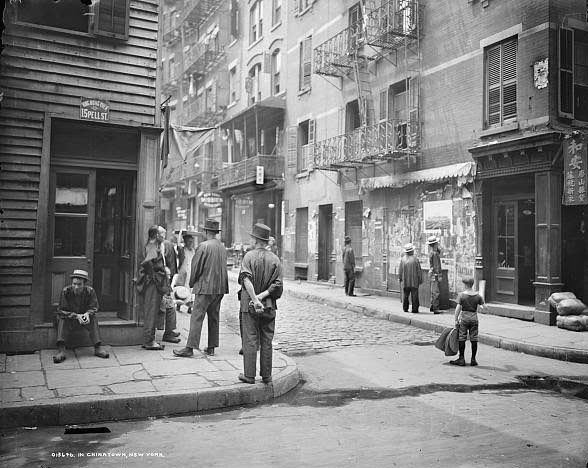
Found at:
<point>65,14</point>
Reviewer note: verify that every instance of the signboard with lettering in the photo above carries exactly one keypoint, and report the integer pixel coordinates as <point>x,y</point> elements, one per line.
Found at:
<point>94,109</point>
<point>575,165</point>
<point>259,174</point>
<point>211,199</point>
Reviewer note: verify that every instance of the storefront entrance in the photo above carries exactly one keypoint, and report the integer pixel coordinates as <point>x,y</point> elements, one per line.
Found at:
<point>91,227</point>
<point>513,253</point>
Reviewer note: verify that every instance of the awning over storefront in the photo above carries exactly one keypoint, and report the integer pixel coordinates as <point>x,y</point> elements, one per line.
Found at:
<point>463,172</point>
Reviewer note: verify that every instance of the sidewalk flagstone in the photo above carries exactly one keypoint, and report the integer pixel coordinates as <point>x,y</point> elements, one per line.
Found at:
<point>76,391</point>
<point>97,376</point>
<point>181,382</point>
<point>187,366</point>
<point>22,379</point>
<point>23,362</point>
<point>142,386</point>
<point>9,395</point>
<point>37,393</point>
<point>71,361</point>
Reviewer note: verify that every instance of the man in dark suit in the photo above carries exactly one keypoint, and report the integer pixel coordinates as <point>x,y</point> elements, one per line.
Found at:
<point>209,283</point>
<point>171,267</point>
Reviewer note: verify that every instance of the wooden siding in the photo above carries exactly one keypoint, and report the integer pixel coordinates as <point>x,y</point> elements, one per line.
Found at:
<point>45,71</point>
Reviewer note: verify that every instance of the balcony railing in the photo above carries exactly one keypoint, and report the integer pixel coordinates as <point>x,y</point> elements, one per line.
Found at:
<point>245,171</point>
<point>198,11</point>
<point>386,27</point>
<point>387,139</point>
<point>200,60</point>
<point>200,115</point>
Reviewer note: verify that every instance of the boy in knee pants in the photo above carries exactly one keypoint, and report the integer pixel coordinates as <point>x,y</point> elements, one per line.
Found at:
<point>466,320</point>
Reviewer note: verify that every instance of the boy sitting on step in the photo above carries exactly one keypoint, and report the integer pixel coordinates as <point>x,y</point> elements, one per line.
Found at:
<point>466,320</point>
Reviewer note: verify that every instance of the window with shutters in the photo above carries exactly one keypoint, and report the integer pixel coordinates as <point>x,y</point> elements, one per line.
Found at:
<point>256,22</point>
<point>233,84</point>
<point>111,18</point>
<point>573,74</point>
<point>254,83</point>
<point>301,248</point>
<point>501,84</point>
<point>234,19</point>
<point>276,11</point>
<point>276,65</point>
<point>305,70</point>
<point>306,133</point>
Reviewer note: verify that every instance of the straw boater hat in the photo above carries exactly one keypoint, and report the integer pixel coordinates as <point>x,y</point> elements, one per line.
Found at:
<point>261,232</point>
<point>182,293</point>
<point>211,225</point>
<point>82,274</point>
<point>432,240</point>
<point>409,247</point>
<point>190,234</point>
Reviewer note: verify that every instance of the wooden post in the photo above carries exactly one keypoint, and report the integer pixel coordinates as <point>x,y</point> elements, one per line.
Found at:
<point>479,217</point>
<point>548,243</point>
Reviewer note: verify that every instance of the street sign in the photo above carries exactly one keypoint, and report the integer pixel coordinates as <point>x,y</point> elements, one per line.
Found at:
<point>575,167</point>
<point>94,109</point>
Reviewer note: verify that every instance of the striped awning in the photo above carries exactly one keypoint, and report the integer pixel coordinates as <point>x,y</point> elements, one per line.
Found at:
<point>463,172</point>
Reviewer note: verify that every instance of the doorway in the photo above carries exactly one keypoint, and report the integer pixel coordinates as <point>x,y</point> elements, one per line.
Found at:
<point>513,255</point>
<point>325,242</point>
<point>92,227</point>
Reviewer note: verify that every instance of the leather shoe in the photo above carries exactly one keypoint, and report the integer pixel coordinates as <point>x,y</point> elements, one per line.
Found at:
<point>266,380</point>
<point>101,353</point>
<point>184,352</point>
<point>209,351</point>
<point>175,334</point>
<point>171,339</point>
<point>248,380</point>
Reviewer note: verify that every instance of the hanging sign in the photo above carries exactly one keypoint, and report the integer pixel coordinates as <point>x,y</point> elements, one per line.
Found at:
<point>211,199</point>
<point>575,165</point>
<point>94,109</point>
<point>259,173</point>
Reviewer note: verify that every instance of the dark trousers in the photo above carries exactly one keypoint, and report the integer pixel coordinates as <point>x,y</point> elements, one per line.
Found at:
<point>150,302</point>
<point>414,297</point>
<point>167,320</point>
<point>67,325</point>
<point>258,329</point>
<point>209,305</point>
<point>434,294</point>
<point>349,281</point>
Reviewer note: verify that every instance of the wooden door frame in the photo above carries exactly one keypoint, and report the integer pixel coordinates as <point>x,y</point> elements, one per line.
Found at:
<point>496,199</point>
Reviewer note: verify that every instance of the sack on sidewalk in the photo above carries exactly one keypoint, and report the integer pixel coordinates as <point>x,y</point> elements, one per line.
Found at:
<point>452,343</point>
<point>570,307</point>
<point>557,297</point>
<point>573,322</point>
<point>440,343</point>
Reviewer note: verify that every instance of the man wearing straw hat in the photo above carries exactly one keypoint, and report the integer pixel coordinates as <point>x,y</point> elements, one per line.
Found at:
<point>261,285</point>
<point>209,282</point>
<point>434,272</point>
<point>410,277</point>
<point>77,308</point>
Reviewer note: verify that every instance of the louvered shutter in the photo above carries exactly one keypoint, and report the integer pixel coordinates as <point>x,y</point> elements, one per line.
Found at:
<point>566,73</point>
<point>305,63</point>
<point>509,81</point>
<point>111,18</point>
<point>311,130</point>
<point>493,85</point>
<point>292,144</point>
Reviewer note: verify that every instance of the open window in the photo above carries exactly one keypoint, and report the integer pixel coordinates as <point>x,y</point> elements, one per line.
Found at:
<point>573,74</point>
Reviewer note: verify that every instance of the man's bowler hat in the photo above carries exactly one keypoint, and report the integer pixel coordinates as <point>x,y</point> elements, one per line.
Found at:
<point>82,274</point>
<point>261,232</point>
<point>211,225</point>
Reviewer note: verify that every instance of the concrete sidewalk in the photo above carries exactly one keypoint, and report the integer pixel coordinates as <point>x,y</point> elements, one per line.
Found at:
<point>501,332</point>
<point>132,383</point>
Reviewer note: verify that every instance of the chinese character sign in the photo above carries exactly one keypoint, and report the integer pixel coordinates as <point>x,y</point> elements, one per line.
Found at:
<point>575,165</point>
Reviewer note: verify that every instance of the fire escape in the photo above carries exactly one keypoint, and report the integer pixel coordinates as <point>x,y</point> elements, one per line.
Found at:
<point>388,32</point>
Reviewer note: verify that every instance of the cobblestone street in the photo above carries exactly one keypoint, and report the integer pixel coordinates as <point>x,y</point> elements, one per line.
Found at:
<point>303,326</point>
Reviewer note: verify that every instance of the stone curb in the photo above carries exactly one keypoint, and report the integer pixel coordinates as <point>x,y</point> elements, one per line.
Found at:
<point>91,409</point>
<point>551,352</point>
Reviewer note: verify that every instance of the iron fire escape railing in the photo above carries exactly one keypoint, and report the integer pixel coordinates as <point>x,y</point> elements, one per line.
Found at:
<point>199,11</point>
<point>387,139</point>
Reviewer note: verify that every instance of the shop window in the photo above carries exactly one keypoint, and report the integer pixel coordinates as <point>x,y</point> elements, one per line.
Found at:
<point>501,83</point>
<point>573,74</point>
<point>505,257</point>
<point>305,65</point>
<point>108,18</point>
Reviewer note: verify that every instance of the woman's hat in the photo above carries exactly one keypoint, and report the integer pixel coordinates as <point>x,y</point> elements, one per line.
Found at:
<point>347,239</point>
<point>432,240</point>
<point>182,293</point>
<point>211,225</point>
<point>82,274</point>
<point>189,234</point>
<point>261,232</point>
<point>409,247</point>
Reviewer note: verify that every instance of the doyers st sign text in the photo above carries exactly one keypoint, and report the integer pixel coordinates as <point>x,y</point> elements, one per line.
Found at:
<point>94,109</point>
